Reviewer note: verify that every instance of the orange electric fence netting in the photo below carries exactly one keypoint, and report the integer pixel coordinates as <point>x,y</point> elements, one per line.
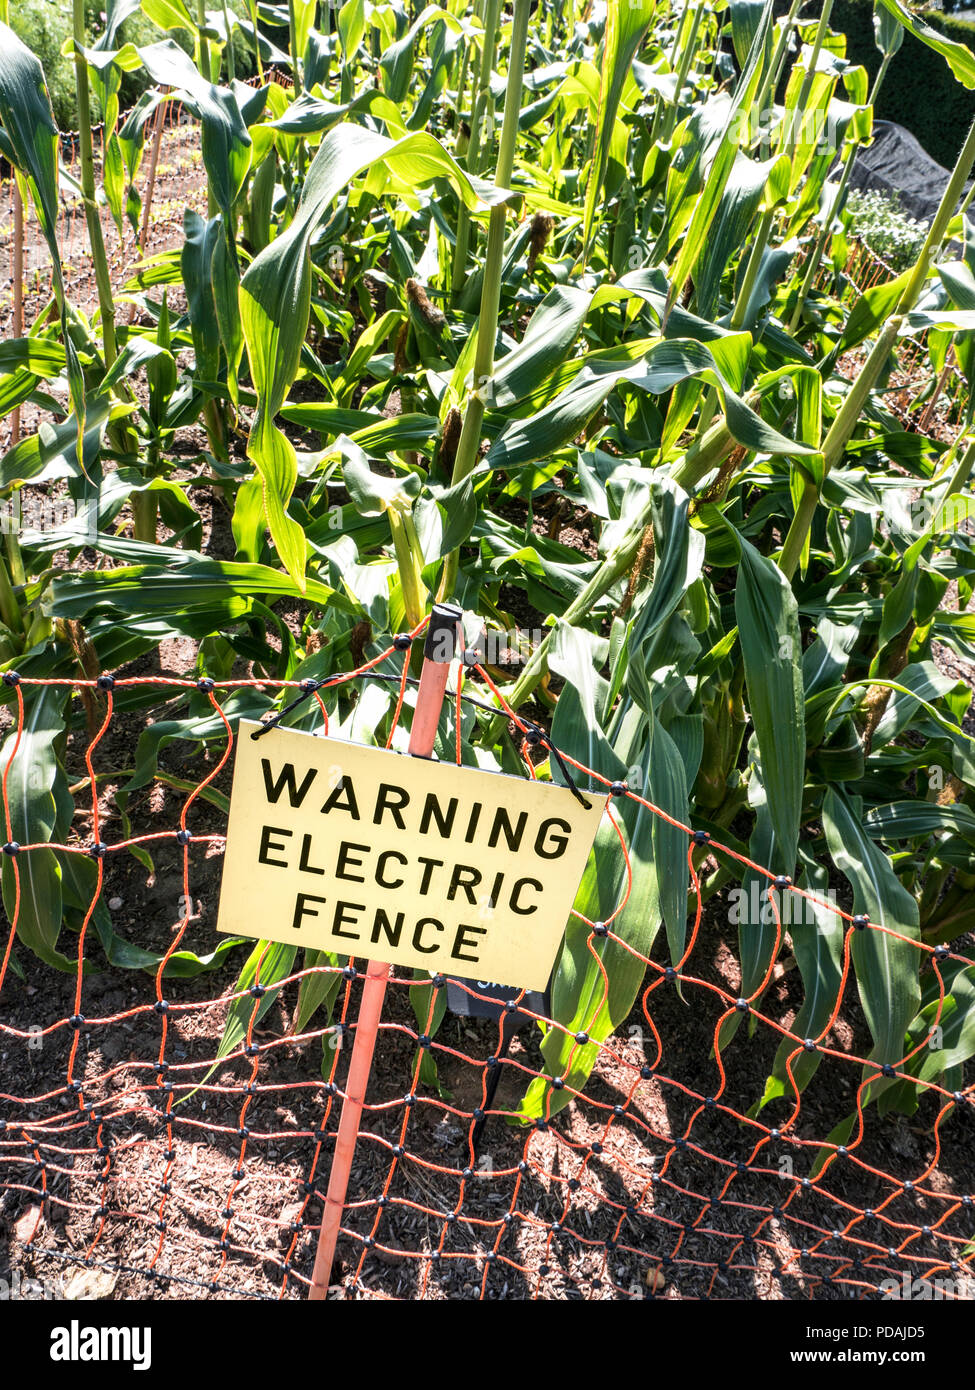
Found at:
<point>131,1153</point>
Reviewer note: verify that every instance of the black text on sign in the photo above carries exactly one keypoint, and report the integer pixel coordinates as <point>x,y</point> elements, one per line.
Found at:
<point>367,853</point>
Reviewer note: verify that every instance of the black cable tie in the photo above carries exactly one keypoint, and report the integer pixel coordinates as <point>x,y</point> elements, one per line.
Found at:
<point>275,720</point>
<point>547,743</point>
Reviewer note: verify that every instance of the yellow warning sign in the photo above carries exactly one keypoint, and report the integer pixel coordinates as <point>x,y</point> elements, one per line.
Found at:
<point>379,855</point>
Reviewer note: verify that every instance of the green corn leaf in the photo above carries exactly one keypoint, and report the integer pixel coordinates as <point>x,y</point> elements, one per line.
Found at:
<point>373,433</point>
<point>30,130</point>
<point>33,774</point>
<point>725,152</point>
<point>196,260</point>
<point>740,199</point>
<point>225,282</point>
<point>870,311</point>
<point>886,967</point>
<point>245,704</point>
<point>545,344</point>
<point>679,550</point>
<point>817,940</point>
<point>658,368</point>
<point>397,62</point>
<point>351,27</point>
<point>169,14</point>
<point>580,1001</point>
<point>668,790</point>
<point>52,452</point>
<point>137,353</point>
<point>909,820</point>
<point>771,644</point>
<point>756,921</point>
<point>695,145</point>
<point>888,31</point>
<point>428,1021</point>
<point>225,141</point>
<point>269,962</point>
<point>959,58</point>
<point>318,990</point>
<point>956,1021</point>
<point>368,341</point>
<point>579,998</point>
<point>45,356</point>
<point>746,20</point>
<point>29,140</point>
<point>626,23</point>
<point>305,23</point>
<point>275,296</point>
<point>197,581</point>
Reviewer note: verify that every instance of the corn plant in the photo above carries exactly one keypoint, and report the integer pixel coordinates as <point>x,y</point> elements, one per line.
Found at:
<point>511,268</point>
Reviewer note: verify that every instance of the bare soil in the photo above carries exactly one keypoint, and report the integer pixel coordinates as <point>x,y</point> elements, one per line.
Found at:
<point>661,1186</point>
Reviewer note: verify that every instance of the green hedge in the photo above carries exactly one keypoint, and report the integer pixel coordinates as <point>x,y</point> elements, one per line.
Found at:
<point>45,25</point>
<point>919,91</point>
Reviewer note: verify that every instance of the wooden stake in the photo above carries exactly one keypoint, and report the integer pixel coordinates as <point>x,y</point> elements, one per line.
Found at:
<point>150,184</point>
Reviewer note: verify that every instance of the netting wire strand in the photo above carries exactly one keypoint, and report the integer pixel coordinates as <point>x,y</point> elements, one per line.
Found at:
<point>76,1149</point>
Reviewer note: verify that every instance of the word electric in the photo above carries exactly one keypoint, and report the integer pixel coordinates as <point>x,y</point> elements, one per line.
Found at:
<point>360,851</point>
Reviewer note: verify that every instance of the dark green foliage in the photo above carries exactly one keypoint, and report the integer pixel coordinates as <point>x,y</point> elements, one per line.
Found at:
<point>919,92</point>
<point>45,26</point>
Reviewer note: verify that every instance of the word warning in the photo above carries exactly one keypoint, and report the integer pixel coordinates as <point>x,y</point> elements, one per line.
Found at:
<point>375,854</point>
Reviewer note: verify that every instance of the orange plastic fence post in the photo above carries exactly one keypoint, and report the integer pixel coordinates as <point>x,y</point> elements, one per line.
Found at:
<point>438,652</point>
